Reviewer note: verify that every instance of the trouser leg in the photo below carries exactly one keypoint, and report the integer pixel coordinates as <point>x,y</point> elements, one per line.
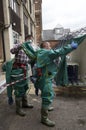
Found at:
<point>47,97</point>
<point>25,103</point>
<point>19,110</point>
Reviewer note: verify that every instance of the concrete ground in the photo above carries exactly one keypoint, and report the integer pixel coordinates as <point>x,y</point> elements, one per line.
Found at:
<point>69,114</point>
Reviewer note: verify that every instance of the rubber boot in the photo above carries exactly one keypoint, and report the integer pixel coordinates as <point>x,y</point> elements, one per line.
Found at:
<point>19,110</point>
<point>44,118</point>
<point>25,102</point>
<point>50,109</point>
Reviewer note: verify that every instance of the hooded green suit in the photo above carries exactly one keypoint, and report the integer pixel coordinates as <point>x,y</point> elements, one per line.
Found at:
<point>45,60</point>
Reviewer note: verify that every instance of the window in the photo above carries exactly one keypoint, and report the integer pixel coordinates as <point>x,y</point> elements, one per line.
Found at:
<point>25,20</point>
<point>37,20</point>
<point>16,37</point>
<point>30,6</point>
<point>24,1</point>
<point>15,6</point>
<point>57,31</point>
<point>31,29</point>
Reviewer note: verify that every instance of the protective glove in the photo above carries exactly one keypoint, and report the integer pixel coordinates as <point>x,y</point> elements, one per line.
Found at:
<point>33,79</point>
<point>36,91</point>
<point>74,45</point>
<point>10,100</point>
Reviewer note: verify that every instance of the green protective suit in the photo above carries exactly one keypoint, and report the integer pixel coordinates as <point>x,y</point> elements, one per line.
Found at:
<point>7,67</point>
<point>45,60</point>
<point>12,75</point>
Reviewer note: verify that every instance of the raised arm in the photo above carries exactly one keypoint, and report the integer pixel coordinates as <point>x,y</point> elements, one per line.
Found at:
<point>63,50</point>
<point>45,57</point>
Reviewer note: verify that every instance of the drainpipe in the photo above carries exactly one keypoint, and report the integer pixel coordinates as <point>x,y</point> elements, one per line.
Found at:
<point>2,32</point>
<point>3,43</point>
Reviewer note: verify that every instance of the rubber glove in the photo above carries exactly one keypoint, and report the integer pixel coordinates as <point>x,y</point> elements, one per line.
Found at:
<point>74,45</point>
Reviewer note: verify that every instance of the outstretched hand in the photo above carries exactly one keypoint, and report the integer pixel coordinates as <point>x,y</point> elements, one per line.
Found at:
<point>74,45</point>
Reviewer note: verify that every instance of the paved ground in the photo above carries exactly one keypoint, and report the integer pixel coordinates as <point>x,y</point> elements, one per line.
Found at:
<point>69,114</point>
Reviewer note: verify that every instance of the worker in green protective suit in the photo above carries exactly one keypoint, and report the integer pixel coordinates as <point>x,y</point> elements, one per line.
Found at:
<point>46,70</point>
<point>17,69</point>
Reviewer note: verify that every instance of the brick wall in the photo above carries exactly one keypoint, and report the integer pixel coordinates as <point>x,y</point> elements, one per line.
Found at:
<point>38,16</point>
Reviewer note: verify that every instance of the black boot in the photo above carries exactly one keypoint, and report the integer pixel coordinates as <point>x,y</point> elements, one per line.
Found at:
<point>25,102</point>
<point>19,110</point>
<point>44,118</point>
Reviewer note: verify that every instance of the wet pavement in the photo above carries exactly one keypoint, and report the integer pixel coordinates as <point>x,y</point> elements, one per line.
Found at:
<point>69,114</point>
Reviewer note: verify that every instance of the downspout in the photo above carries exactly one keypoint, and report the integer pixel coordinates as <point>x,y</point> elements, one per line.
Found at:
<point>3,43</point>
<point>2,32</point>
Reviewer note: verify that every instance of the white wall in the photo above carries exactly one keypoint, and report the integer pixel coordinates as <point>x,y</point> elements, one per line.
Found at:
<point>79,56</point>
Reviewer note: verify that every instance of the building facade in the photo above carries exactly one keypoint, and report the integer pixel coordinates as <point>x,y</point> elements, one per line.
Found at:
<point>38,16</point>
<point>17,19</point>
<point>55,36</point>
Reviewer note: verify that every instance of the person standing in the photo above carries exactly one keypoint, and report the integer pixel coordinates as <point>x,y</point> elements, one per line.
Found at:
<point>18,68</point>
<point>46,70</point>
